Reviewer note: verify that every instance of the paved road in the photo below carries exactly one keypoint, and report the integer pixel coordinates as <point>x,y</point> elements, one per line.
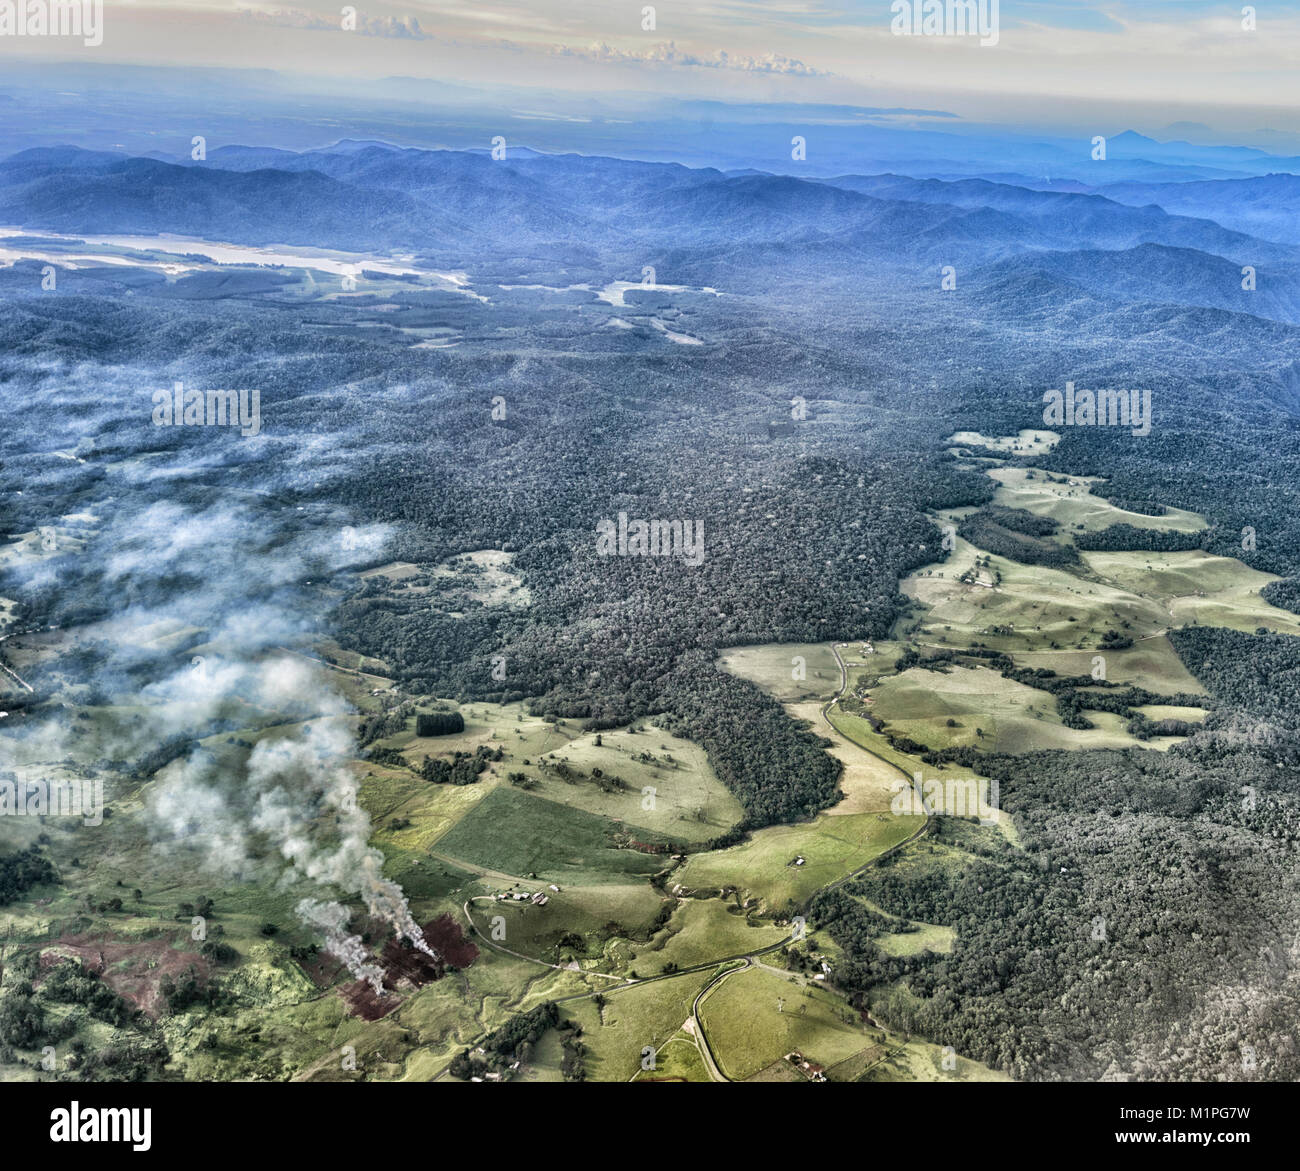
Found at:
<point>701,1038</point>
<point>844,672</point>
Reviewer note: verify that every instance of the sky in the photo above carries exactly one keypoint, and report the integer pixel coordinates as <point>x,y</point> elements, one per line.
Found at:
<point>1055,61</point>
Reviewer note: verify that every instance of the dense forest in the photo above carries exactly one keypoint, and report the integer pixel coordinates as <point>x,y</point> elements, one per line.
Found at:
<point>22,870</point>
<point>1017,535</point>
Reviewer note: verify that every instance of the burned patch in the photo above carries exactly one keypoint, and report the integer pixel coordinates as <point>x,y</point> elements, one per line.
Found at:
<point>363,1001</point>
<point>403,963</point>
<point>447,938</point>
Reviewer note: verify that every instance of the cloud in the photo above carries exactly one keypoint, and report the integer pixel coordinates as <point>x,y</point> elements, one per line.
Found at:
<point>405,28</point>
<point>664,54</point>
<point>667,53</point>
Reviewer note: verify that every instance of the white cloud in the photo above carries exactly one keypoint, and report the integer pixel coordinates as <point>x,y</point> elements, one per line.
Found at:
<point>395,28</point>
<point>667,53</point>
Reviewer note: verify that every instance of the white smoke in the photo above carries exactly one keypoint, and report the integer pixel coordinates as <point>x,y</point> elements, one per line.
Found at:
<point>280,771</point>
<point>332,920</point>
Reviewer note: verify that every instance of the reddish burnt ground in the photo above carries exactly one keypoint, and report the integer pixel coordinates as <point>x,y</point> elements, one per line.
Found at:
<point>445,936</point>
<point>323,970</point>
<point>131,969</point>
<point>407,966</point>
<point>363,1001</point>
<point>402,962</point>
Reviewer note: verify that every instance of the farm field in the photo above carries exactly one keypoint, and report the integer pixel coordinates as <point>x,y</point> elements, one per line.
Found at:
<point>1072,502</point>
<point>1011,716</point>
<point>754,1017</point>
<point>919,1061</point>
<point>929,937</point>
<point>702,930</point>
<point>677,1060</point>
<point>1032,608</point>
<point>603,917</point>
<point>1197,588</point>
<point>632,1019</point>
<point>1150,662</point>
<point>519,834</point>
<point>671,787</point>
<point>668,785</point>
<point>1035,609</point>
<point>772,667</point>
<point>764,867</point>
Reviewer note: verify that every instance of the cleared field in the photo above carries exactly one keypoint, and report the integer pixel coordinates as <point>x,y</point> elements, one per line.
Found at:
<point>703,930</point>
<point>688,804</point>
<point>858,731</point>
<point>772,667</point>
<point>1012,716</point>
<point>630,1020</point>
<point>484,576</point>
<point>506,725</point>
<point>677,1060</point>
<point>516,833</point>
<point>393,571</point>
<point>1069,501</point>
<point>1024,609</point>
<point>1151,663</point>
<point>489,577</point>
<point>755,1017</point>
<point>374,670</point>
<point>1196,587</point>
<point>1164,711</point>
<point>778,1071</point>
<point>547,1061</point>
<point>388,794</point>
<point>924,700</point>
<point>1025,442</point>
<point>764,868</point>
<point>915,1060</point>
<point>601,916</point>
<point>929,937</point>
<point>1032,608</point>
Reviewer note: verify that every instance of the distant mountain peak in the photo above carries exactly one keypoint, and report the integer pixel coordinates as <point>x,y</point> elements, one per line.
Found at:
<point>356,145</point>
<point>1134,136</point>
